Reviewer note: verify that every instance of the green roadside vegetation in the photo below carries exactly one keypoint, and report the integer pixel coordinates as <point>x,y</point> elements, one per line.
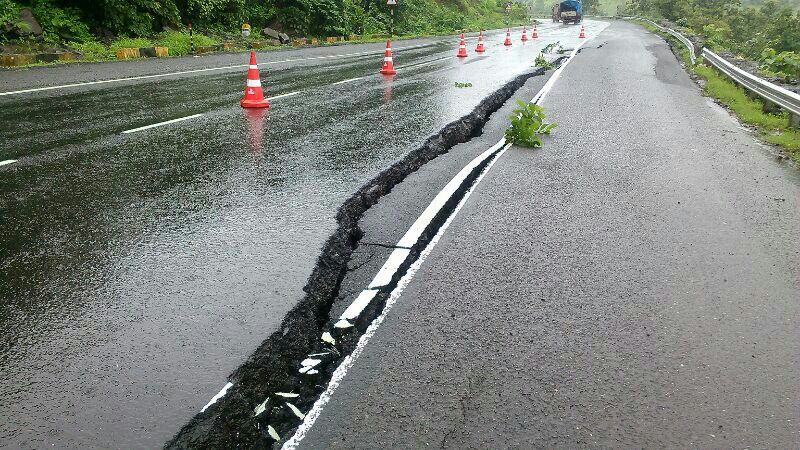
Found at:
<point>96,28</point>
<point>772,128</point>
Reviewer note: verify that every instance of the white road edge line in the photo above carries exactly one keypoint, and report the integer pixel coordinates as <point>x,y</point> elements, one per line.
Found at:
<point>347,363</point>
<point>209,69</point>
<point>8,161</point>
<point>147,127</point>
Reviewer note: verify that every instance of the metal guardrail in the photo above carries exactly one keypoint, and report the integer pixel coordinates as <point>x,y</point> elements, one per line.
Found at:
<point>784,98</point>
<point>686,42</point>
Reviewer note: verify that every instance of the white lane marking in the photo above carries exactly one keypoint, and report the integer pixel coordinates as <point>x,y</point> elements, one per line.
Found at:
<point>390,267</point>
<point>347,363</point>
<point>347,81</point>
<point>219,395</point>
<point>421,224</point>
<point>147,127</point>
<point>181,119</point>
<point>8,161</point>
<point>284,95</point>
<point>358,305</point>
<point>209,69</point>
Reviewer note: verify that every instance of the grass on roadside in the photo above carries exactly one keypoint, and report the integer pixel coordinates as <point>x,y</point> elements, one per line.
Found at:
<point>126,42</point>
<point>774,128</point>
<point>92,50</point>
<point>178,41</point>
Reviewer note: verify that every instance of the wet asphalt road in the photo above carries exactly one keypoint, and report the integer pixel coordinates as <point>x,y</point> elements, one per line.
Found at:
<point>140,269</point>
<point>633,284</point>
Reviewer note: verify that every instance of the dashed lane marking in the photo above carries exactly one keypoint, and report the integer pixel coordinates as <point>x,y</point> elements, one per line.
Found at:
<point>347,81</point>
<point>284,95</point>
<point>147,127</point>
<point>8,161</point>
<point>193,116</point>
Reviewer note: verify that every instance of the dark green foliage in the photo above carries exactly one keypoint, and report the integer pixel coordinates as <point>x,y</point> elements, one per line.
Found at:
<point>528,125</point>
<point>746,29</point>
<point>784,63</point>
<point>9,16</point>
<point>78,20</point>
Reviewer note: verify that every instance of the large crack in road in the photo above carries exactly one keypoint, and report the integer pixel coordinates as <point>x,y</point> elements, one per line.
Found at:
<point>251,414</point>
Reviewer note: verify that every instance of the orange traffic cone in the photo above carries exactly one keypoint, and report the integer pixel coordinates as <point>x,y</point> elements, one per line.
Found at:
<point>583,33</point>
<point>388,63</point>
<point>253,94</point>
<point>524,35</point>
<point>479,48</point>
<point>508,38</point>
<point>462,48</point>
<point>535,34</point>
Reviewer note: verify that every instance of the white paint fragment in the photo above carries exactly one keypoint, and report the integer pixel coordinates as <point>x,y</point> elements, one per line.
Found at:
<point>261,408</point>
<point>312,372</point>
<point>272,433</point>
<point>357,307</point>
<point>296,411</point>
<point>326,337</point>
<point>287,394</point>
<point>320,354</point>
<point>310,362</point>
<point>342,324</point>
<point>219,395</point>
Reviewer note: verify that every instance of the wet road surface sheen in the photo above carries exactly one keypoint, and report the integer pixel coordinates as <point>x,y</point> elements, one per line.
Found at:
<point>141,269</point>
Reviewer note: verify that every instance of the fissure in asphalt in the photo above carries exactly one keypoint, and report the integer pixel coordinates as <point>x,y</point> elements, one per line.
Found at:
<point>273,367</point>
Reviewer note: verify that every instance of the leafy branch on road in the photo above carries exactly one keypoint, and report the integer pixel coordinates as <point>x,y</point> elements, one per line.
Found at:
<point>528,125</point>
<point>463,85</point>
<point>542,62</point>
<point>551,46</point>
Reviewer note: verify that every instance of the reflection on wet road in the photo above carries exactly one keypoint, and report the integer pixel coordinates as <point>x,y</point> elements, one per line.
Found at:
<point>140,269</point>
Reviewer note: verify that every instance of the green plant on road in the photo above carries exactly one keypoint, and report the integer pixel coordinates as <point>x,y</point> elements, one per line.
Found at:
<point>542,62</point>
<point>463,85</point>
<point>528,125</point>
<point>551,46</point>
